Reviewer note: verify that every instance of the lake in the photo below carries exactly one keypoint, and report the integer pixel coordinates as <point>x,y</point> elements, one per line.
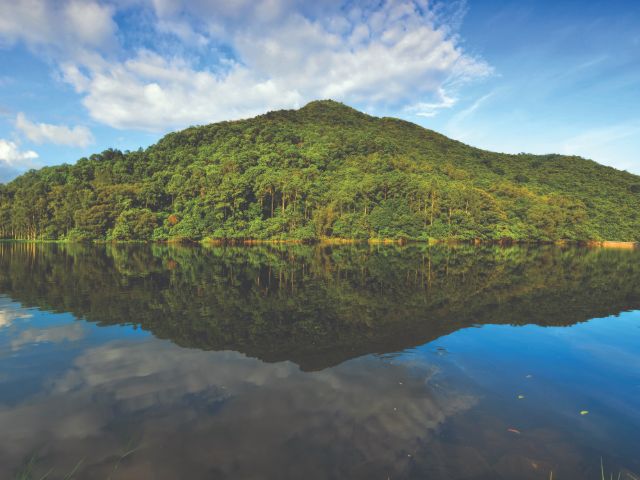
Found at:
<point>314,362</point>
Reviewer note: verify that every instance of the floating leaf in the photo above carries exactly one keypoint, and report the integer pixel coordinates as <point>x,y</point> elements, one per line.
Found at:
<point>520,397</point>
<point>513,430</point>
<point>584,412</point>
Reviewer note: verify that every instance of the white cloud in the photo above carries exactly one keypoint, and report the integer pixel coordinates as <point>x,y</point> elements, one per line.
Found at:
<point>215,60</point>
<point>460,128</point>
<point>149,92</point>
<point>183,31</point>
<point>78,136</point>
<point>470,110</point>
<point>392,55</point>
<point>599,137</point>
<point>12,156</point>
<point>431,109</point>
<point>613,145</point>
<point>67,27</point>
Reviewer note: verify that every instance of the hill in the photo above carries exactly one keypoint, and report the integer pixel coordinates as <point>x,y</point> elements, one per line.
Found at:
<point>325,170</point>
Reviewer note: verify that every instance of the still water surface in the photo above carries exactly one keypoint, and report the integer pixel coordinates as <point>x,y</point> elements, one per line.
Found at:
<point>167,362</point>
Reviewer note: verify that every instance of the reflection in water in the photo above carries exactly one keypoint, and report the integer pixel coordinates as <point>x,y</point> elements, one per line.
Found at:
<point>8,315</point>
<point>278,398</point>
<point>229,415</point>
<point>319,306</point>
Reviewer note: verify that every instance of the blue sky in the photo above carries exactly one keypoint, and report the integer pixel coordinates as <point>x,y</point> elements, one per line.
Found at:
<point>80,76</point>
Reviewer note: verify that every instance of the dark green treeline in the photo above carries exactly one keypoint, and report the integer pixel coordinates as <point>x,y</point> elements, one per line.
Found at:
<point>325,170</point>
<point>319,306</point>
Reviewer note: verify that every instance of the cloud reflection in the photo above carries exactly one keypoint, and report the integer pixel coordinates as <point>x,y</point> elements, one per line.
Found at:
<point>224,415</point>
<point>62,333</point>
<point>9,312</point>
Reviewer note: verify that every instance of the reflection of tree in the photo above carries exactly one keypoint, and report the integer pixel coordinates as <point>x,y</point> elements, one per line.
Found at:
<point>319,306</point>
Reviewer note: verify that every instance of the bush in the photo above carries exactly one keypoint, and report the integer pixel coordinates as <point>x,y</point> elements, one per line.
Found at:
<point>351,225</point>
<point>394,219</point>
<point>134,224</point>
<point>79,235</point>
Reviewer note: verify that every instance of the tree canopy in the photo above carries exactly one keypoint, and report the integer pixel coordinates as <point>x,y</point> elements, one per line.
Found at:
<point>325,170</point>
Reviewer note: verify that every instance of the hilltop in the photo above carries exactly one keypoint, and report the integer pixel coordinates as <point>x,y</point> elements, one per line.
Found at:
<point>325,170</point>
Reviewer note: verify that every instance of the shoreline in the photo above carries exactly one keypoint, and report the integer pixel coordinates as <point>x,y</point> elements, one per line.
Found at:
<point>331,241</point>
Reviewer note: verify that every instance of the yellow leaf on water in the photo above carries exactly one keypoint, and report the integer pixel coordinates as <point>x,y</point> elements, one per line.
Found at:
<point>584,412</point>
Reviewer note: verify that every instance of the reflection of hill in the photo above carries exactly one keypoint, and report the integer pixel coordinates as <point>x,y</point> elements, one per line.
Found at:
<point>319,306</point>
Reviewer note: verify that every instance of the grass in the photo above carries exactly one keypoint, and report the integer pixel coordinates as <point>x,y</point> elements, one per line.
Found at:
<point>27,471</point>
<point>627,475</point>
<point>603,476</point>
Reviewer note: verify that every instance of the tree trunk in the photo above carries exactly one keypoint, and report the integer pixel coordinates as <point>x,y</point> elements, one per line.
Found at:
<point>272,199</point>
<point>433,204</point>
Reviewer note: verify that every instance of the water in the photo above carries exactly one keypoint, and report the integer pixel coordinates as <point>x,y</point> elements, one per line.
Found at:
<point>167,362</point>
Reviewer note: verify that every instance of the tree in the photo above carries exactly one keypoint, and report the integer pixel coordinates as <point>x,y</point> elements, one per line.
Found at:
<point>323,170</point>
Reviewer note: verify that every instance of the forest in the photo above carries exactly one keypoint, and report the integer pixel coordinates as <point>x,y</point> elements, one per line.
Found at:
<point>323,171</point>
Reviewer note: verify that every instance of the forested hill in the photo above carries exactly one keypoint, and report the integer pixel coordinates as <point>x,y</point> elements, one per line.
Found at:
<point>325,170</point>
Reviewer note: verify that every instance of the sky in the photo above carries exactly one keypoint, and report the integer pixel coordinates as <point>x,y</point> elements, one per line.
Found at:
<point>80,76</point>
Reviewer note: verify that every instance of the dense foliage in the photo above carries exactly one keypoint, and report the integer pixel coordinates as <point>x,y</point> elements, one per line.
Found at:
<point>316,305</point>
<point>325,170</point>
